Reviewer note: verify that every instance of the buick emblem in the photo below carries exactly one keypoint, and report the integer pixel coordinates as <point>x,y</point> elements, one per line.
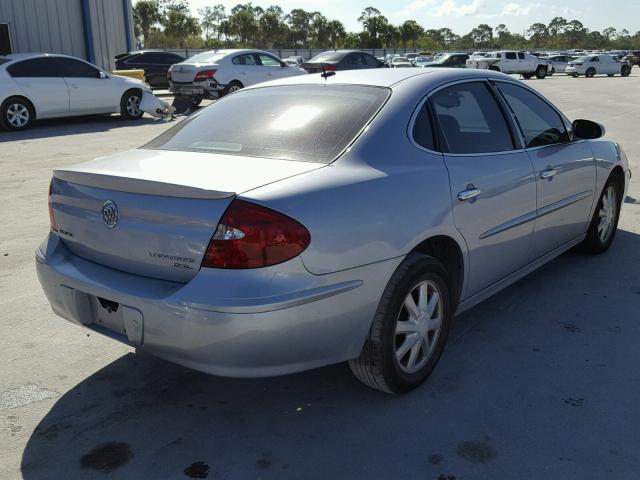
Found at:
<point>109,214</point>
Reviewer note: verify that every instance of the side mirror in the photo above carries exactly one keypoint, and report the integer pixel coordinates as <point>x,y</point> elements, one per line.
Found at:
<point>587,129</point>
<point>102,75</point>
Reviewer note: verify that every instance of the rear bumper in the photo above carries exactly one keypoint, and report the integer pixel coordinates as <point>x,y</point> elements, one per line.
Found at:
<point>575,70</point>
<point>241,323</point>
<point>196,89</point>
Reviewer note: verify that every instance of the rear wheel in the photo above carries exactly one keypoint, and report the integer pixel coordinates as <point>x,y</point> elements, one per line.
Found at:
<point>590,72</point>
<point>16,114</point>
<point>409,329</point>
<point>232,87</point>
<point>626,70</point>
<point>604,222</point>
<point>130,105</point>
<point>541,72</point>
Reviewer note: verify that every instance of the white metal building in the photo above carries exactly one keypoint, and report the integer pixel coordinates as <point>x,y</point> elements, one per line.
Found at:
<point>95,30</point>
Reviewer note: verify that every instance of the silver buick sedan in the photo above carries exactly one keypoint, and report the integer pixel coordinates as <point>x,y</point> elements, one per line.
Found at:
<point>313,220</point>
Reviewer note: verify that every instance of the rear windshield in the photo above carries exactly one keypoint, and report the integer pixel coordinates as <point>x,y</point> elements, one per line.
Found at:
<point>328,57</point>
<point>307,123</point>
<point>206,57</point>
<point>583,59</point>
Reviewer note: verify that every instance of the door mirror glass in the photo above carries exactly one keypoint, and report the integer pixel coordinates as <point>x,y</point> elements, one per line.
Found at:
<point>587,129</point>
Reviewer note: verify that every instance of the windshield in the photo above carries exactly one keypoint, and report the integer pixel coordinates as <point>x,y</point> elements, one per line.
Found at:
<point>308,123</point>
<point>442,59</point>
<point>206,57</point>
<point>327,57</point>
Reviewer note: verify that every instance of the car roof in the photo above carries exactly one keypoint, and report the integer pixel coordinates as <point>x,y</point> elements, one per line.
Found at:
<point>25,56</point>
<point>389,77</point>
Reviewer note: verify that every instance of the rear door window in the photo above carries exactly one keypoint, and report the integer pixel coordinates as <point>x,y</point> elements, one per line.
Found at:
<point>521,55</point>
<point>471,120</point>
<point>539,123</point>
<point>510,55</point>
<point>35,67</point>
<point>308,123</point>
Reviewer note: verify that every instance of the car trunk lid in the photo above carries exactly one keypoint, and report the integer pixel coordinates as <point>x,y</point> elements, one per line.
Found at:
<point>153,212</point>
<point>186,72</point>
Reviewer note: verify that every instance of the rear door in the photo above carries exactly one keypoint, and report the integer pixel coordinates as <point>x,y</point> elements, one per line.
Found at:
<point>246,67</point>
<point>41,82</point>
<point>88,93</point>
<point>565,171</point>
<point>493,190</point>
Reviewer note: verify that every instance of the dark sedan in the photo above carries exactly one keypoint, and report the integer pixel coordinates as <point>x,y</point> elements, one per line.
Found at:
<point>342,60</point>
<point>154,63</point>
<point>451,60</point>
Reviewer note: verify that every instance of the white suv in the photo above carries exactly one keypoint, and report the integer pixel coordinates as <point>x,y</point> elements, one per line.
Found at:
<point>506,61</point>
<point>216,73</point>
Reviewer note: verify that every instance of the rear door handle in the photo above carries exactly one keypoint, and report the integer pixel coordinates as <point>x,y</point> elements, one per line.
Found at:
<point>469,193</point>
<point>548,173</point>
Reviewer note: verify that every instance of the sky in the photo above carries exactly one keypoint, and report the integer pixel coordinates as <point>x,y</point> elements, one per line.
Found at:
<point>463,15</point>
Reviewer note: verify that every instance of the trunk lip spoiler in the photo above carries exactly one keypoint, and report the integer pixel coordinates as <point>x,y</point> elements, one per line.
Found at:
<point>108,181</point>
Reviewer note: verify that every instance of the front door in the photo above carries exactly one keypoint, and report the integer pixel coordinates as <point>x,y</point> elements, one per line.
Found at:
<point>88,92</point>
<point>493,188</point>
<point>565,171</point>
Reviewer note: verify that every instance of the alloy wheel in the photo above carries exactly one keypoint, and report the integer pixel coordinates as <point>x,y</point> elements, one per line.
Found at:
<point>418,326</point>
<point>17,115</point>
<point>233,88</point>
<point>133,106</point>
<point>607,214</point>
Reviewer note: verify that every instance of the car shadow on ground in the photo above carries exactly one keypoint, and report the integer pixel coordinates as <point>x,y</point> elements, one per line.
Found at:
<point>536,379</point>
<point>73,126</point>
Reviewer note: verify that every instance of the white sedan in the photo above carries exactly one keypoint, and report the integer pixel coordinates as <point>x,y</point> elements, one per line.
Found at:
<point>214,74</point>
<point>48,86</point>
<point>590,65</point>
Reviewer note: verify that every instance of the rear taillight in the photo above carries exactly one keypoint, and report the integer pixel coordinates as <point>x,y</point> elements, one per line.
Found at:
<point>168,74</point>
<point>204,75</point>
<point>253,236</point>
<point>52,218</point>
<point>329,68</point>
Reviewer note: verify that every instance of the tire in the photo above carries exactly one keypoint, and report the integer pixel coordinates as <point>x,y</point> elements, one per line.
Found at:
<point>598,241</point>
<point>196,102</point>
<point>541,72</point>
<point>609,74</point>
<point>551,72</point>
<point>590,72</point>
<point>626,71</point>
<point>130,105</point>
<point>527,76</point>
<point>232,87</point>
<point>16,114</point>
<point>381,364</point>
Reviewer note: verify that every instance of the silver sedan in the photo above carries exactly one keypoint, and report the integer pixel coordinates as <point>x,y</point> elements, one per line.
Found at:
<point>315,220</point>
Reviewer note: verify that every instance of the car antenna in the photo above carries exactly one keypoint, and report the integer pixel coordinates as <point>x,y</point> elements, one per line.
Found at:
<point>326,74</point>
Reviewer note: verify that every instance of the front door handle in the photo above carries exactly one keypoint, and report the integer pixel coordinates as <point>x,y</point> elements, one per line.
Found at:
<point>548,173</point>
<point>469,193</point>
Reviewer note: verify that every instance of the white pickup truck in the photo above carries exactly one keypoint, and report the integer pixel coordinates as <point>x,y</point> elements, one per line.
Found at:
<point>507,61</point>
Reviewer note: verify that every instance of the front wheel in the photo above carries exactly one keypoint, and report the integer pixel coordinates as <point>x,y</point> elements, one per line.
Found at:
<point>590,72</point>
<point>409,329</point>
<point>541,72</point>
<point>604,222</point>
<point>130,105</point>
<point>626,70</point>
<point>527,76</point>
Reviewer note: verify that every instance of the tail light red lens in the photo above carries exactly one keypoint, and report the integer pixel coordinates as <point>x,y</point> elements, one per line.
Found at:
<point>168,74</point>
<point>253,236</point>
<point>329,68</point>
<point>204,75</point>
<point>52,218</point>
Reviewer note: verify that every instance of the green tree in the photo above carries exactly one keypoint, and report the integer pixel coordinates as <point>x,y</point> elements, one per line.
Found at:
<point>556,27</point>
<point>211,18</point>
<point>538,34</point>
<point>337,32</point>
<point>180,26</point>
<point>299,26</point>
<point>146,14</point>
<point>610,33</point>
<point>482,35</point>
<point>410,32</point>
<point>374,24</point>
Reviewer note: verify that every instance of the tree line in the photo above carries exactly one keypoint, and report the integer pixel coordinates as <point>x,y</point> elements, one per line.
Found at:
<point>170,24</point>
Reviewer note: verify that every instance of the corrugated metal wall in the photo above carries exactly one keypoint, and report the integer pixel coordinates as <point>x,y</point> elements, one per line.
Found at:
<point>52,26</point>
<point>109,30</point>
<point>57,26</point>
